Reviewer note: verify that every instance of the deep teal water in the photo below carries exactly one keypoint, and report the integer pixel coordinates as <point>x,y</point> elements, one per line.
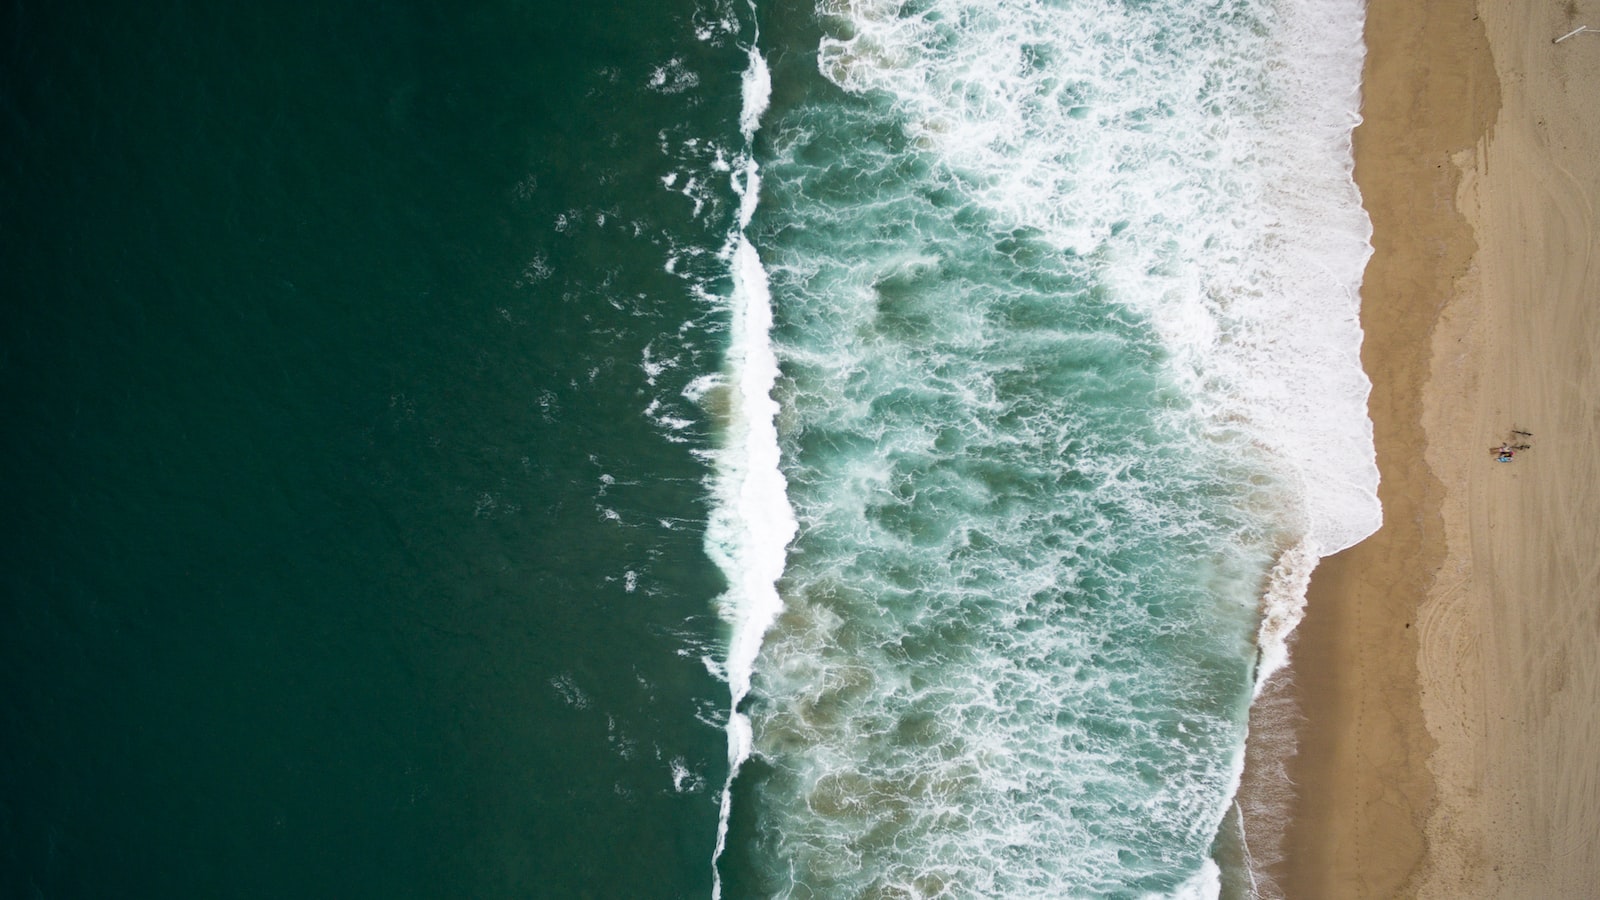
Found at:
<point>313,420</point>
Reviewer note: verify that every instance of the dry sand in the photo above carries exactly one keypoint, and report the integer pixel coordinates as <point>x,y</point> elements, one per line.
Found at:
<point>1449,667</point>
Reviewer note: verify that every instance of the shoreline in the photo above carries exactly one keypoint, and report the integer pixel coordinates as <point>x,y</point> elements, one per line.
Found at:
<point>1433,736</point>
<point>1364,792</point>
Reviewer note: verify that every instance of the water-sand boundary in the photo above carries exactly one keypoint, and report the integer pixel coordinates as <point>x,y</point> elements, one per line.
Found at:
<point>1446,679</point>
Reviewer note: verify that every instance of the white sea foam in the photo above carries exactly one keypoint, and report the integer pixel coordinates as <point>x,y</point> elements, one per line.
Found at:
<point>1205,885</point>
<point>755,93</point>
<point>1232,222</point>
<point>1194,162</point>
<point>751,523</point>
<point>673,78</point>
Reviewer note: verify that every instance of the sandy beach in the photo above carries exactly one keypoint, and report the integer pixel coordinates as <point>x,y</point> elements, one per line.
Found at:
<point>1447,674</point>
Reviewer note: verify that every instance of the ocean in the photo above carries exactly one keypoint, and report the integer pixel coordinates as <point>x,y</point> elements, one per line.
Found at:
<point>698,448</point>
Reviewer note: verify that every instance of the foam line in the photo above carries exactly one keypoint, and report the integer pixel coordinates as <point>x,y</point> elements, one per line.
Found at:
<point>1021,620</point>
<point>752,522</point>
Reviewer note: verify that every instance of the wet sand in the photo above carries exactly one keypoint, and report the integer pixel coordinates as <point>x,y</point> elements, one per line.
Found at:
<point>1445,703</point>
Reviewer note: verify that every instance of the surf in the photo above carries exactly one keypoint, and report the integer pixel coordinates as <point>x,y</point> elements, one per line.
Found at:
<point>1065,404</point>
<point>751,523</point>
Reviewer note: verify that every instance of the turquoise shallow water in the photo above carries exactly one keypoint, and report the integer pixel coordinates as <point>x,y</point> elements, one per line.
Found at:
<point>1069,405</point>
<point>1017,643</point>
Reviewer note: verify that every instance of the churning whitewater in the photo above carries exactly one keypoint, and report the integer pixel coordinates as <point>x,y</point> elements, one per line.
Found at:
<point>751,523</point>
<point>1039,413</point>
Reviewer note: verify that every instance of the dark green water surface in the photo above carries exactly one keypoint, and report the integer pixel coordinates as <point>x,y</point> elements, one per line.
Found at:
<point>308,585</point>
